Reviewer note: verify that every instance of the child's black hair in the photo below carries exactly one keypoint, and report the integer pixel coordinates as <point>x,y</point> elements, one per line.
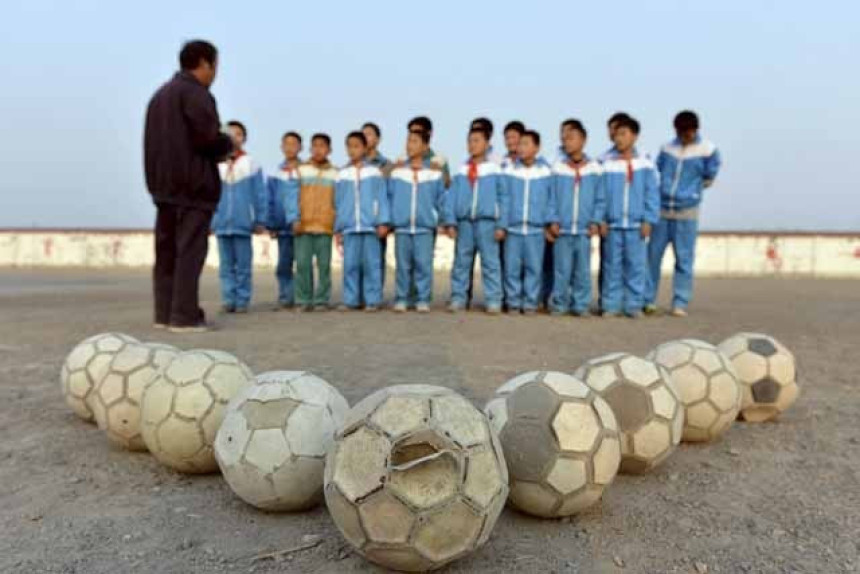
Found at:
<point>516,126</point>
<point>686,120</point>
<point>323,137</point>
<point>240,125</point>
<point>479,130</point>
<point>574,124</point>
<point>421,123</point>
<point>194,51</point>
<point>374,127</point>
<point>615,118</point>
<point>423,134</point>
<point>292,135</point>
<point>630,123</point>
<point>485,124</point>
<point>357,135</point>
<point>532,134</point>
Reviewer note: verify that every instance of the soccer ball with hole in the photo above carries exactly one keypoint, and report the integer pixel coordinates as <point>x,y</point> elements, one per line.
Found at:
<point>183,406</point>
<point>560,441</point>
<point>272,444</point>
<point>85,366</point>
<point>646,405</point>
<point>767,372</point>
<point>416,478</point>
<point>116,399</point>
<point>707,383</point>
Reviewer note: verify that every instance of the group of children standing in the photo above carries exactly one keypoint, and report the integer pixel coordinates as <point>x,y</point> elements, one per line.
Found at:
<point>529,220</point>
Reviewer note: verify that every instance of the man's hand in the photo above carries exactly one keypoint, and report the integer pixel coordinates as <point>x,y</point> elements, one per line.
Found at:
<point>593,230</point>
<point>645,230</point>
<point>708,183</point>
<point>547,234</point>
<point>500,234</point>
<point>555,229</point>
<point>604,229</point>
<point>451,231</point>
<point>382,231</point>
<point>338,239</point>
<point>297,227</point>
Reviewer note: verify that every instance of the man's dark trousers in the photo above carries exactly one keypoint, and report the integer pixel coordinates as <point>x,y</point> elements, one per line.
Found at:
<point>181,244</point>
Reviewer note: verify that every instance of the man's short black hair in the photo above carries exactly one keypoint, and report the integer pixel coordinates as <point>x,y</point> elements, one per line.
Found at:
<point>240,125</point>
<point>479,130</point>
<point>628,122</point>
<point>532,134</point>
<point>423,134</point>
<point>357,135</point>
<point>485,124</point>
<point>686,120</point>
<point>374,127</point>
<point>574,124</point>
<point>194,51</point>
<point>323,137</point>
<point>292,135</point>
<point>516,126</point>
<point>421,123</point>
<point>615,118</point>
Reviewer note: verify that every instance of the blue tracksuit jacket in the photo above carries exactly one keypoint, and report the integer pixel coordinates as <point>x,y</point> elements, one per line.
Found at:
<point>244,202</point>
<point>684,171</point>
<point>360,199</point>
<point>577,200</point>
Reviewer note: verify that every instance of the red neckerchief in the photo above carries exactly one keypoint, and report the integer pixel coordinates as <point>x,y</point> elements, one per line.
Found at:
<point>576,165</point>
<point>290,170</point>
<point>231,162</point>
<point>473,172</point>
<point>629,161</point>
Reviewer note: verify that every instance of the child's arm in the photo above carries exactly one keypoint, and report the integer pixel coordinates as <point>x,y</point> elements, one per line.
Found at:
<point>598,217</point>
<point>261,201</point>
<point>337,199</point>
<point>503,183</point>
<point>651,200</point>
<point>383,218</point>
<point>712,167</point>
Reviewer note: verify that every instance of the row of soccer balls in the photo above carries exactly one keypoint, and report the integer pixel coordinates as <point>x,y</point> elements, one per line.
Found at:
<point>415,475</point>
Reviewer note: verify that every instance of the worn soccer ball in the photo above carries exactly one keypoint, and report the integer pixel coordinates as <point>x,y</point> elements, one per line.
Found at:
<point>645,403</point>
<point>560,440</point>
<point>707,383</point>
<point>116,399</point>
<point>183,406</point>
<point>416,478</point>
<point>767,372</point>
<point>272,444</point>
<point>85,366</point>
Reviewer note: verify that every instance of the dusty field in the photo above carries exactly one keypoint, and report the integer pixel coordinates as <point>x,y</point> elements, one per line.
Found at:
<point>781,497</point>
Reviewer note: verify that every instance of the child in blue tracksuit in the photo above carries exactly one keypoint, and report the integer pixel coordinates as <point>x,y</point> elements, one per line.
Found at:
<point>577,208</point>
<point>687,166</point>
<point>283,197</point>
<point>632,208</point>
<point>472,216</point>
<point>241,212</point>
<point>362,216</point>
<point>416,192</point>
<point>526,216</point>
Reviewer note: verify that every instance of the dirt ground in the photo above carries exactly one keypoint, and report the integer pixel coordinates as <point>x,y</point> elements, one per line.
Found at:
<point>769,498</point>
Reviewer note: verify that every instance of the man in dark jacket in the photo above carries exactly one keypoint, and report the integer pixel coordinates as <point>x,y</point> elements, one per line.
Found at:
<point>183,144</point>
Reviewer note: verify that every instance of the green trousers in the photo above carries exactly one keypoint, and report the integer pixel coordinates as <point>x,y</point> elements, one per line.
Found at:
<point>306,247</point>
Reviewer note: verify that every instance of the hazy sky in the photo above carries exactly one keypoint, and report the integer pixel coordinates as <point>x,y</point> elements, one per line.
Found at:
<point>776,84</point>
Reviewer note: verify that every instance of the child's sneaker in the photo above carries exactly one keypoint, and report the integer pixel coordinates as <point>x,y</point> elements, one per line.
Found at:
<point>201,327</point>
<point>228,308</point>
<point>304,308</point>
<point>456,307</point>
<point>650,309</point>
<point>530,312</point>
<point>494,309</point>
<point>679,312</point>
<point>400,307</point>
<point>343,308</point>
<point>634,315</point>
<point>422,307</point>
<point>241,310</point>
<point>513,311</point>
<point>557,313</point>
<point>371,309</point>
<point>609,314</point>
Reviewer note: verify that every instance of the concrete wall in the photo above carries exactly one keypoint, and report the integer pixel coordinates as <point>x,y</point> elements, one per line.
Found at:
<point>718,254</point>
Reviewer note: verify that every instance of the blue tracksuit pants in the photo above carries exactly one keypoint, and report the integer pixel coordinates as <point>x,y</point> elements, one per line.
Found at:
<point>571,288</point>
<point>682,234</point>
<point>236,257</point>
<point>362,274</point>
<point>625,275</point>
<point>477,237</point>
<point>524,270</point>
<point>414,257</point>
<point>284,270</point>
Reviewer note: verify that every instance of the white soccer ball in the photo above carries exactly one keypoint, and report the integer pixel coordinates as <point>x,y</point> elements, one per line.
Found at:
<point>707,383</point>
<point>560,440</point>
<point>183,406</point>
<point>115,401</point>
<point>767,372</point>
<point>646,405</point>
<point>85,366</point>
<point>416,478</point>
<point>272,444</point>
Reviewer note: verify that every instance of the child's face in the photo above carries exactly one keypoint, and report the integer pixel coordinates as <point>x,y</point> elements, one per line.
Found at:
<point>528,149</point>
<point>687,137</point>
<point>612,128</point>
<point>370,136</point>
<point>573,142</point>
<point>512,141</point>
<point>415,146</point>
<point>355,149</point>
<point>319,150</point>
<point>291,148</point>
<point>237,136</point>
<point>477,145</point>
<point>624,138</point>
<point>564,131</point>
